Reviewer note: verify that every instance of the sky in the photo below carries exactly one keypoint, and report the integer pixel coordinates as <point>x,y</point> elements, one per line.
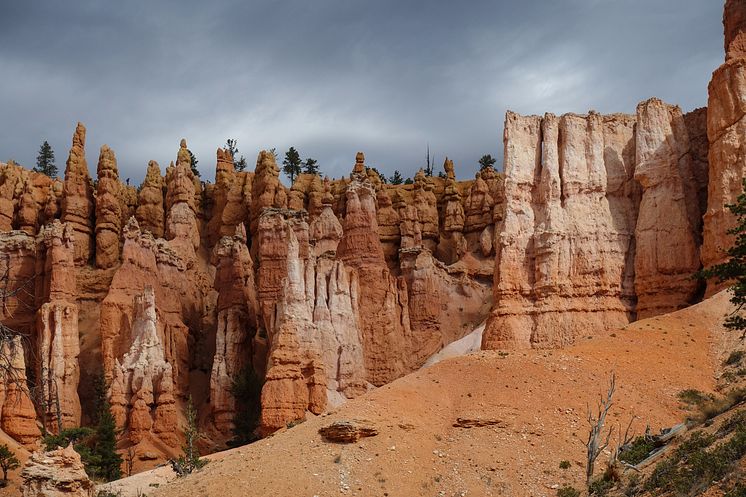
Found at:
<point>333,77</point>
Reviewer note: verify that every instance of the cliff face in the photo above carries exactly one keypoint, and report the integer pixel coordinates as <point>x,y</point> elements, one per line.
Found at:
<point>596,205</point>
<point>330,288</point>
<point>176,289</point>
<point>726,128</point>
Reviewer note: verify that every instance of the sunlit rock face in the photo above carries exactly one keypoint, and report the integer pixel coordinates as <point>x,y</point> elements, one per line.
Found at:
<point>327,288</point>
<point>595,205</point>
<point>726,128</point>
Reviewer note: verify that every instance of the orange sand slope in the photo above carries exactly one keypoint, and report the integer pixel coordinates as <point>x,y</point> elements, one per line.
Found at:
<point>538,399</point>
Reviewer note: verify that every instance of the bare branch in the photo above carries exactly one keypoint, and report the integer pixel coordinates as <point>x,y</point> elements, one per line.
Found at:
<point>597,422</point>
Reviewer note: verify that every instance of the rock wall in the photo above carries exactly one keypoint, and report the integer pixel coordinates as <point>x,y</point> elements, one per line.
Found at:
<point>57,330</point>
<point>596,205</point>
<point>330,288</point>
<point>726,128</point>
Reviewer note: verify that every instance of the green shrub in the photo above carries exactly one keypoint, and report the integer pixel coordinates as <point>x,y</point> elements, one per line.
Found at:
<point>738,491</point>
<point>600,486</point>
<point>564,464</point>
<point>568,491</point>
<point>735,357</point>
<point>716,407</point>
<point>693,397</point>
<point>696,464</point>
<point>637,451</point>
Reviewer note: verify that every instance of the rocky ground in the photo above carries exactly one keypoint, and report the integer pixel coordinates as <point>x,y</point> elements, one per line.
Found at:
<point>532,404</point>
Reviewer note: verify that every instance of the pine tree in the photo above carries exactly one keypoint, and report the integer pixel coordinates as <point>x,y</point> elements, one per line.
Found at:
<point>734,269</point>
<point>310,166</point>
<point>396,178</point>
<point>291,164</point>
<point>99,396</point>
<point>231,145</point>
<point>189,461</point>
<point>193,163</point>
<point>428,165</point>
<point>45,161</point>
<point>105,448</point>
<point>487,161</point>
<point>8,461</point>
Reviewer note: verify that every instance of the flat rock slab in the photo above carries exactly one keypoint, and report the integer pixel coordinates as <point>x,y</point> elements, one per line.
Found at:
<point>477,422</point>
<point>347,431</point>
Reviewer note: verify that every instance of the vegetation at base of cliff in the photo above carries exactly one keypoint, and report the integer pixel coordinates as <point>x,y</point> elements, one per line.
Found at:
<point>247,391</point>
<point>734,268</point>
<point>8,462</point>
<point>189,461</point>
<point>96,445</point>
<point>735,358</point>
<point>637,451</point>
<point>568,491</point>
<point>696,464</point>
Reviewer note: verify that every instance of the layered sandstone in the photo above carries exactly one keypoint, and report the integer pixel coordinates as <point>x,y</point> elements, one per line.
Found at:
<point>142,383</point>
<point>296,379</point>
<point>17,413</point>
<point>56,473</point>
<point>236,324</point>
<point>108,210</point>
<point>726,127</point>
<point>328,287</point>
<point>383,319</point>
<point>57,329</point>
<point>78,207</point>
<point>669,220</point>
<point>595,206</point>
<point>150,213</point>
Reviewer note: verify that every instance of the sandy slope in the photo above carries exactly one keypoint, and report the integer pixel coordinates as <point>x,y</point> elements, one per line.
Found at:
<point>539,398</point>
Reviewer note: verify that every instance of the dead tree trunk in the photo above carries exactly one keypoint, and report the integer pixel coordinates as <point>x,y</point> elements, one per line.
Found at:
<point>595,445</point>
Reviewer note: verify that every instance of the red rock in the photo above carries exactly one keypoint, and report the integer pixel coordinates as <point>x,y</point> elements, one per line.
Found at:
<point>150,214</point>
<point>57,329</point>
<point>108,210</point>
<point>77,199</point>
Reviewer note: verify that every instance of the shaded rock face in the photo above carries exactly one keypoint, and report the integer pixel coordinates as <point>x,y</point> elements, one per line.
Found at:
<point>328,287</point>
<point>595,206</point>
<point>57,330</point>
<point>142,388</point>
<point>108,210</point>
<point>726,128</point>
<point>17,413</point>
<point>236,324</point>
<point>383,321</point>
<point>150,214</point>
<point>669,220</point>
<point>734,22</point>
<point>56,473</point>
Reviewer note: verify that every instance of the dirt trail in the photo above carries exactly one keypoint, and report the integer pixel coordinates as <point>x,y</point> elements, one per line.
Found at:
<point>538,399</point>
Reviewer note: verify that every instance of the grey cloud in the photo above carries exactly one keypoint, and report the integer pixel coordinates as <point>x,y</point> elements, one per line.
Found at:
<point>331,77</point>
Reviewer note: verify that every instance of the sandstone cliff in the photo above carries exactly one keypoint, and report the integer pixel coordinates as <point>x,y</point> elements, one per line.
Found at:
<point>726,128</point>
<point>595,206</point>
<point>328,288</point>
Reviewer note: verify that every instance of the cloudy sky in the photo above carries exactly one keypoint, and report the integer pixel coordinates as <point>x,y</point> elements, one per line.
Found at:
<point>332,77</point>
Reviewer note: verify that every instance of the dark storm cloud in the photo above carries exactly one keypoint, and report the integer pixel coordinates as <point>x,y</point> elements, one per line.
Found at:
<point>332,77</point>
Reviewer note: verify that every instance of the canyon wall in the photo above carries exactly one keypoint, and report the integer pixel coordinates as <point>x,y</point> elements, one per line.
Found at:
<point>183,290</point>
<point>726,129</point>
<point>596,206</point>
<point>176,290</point>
